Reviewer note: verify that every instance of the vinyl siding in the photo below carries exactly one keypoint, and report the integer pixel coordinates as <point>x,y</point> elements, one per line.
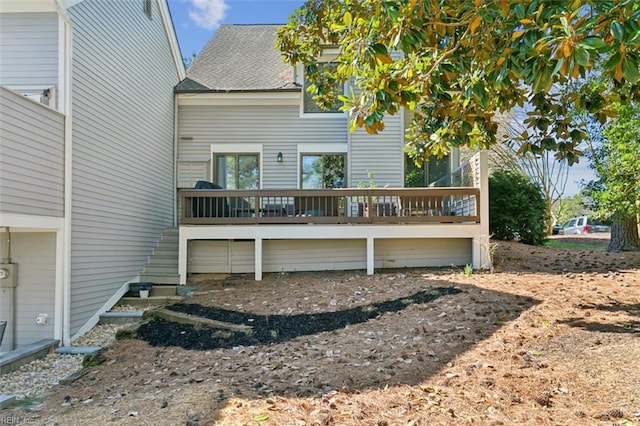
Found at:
<point>122,147</point>
<point>379,154</point>
<point>34,252</point>
<point>277,128</point>
<point>29,49</point>
<point>313,255</point>
<point>421,252</point>
<point>221,256</point>
<point>31,157</point>
<point>316,255</point>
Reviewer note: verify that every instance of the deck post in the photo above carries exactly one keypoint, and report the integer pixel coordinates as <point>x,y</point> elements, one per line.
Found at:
<point>258,259</point>
<point>370,256</point>
<point>484,260</point>
<point>182,257</point>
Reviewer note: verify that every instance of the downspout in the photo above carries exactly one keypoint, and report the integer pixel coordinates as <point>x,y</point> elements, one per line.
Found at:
<point>175,160</point>
<point>64,77</point>
<point>11,315</point>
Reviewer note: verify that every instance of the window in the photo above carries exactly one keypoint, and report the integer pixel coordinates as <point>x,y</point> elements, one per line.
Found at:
<point>237,171</point>
<point>322,171</point>
<point>434,172</point>
<point>309,104</point>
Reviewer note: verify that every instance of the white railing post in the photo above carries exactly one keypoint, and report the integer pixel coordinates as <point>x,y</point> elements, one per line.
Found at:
<point>481,242</point>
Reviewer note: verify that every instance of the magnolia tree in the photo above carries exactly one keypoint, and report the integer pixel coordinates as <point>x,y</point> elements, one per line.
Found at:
<point>458,63</point>
<point>617,164</point>
<point>544,170</point>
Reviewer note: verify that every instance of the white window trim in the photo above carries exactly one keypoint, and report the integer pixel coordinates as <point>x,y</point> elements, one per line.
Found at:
<point>319,148</point>
<point>235,148</point>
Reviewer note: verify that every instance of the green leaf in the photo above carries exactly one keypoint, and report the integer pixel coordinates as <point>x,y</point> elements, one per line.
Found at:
<point>261,417</point>
<point>347,18</point>
<point>581,56</point>
<point>379,49</point>
<point>630,70</point>
<point>519,11</point>
<point>617,30</point>
<point>613,61</point>
<point>480,95</point>
<point>592,43</point>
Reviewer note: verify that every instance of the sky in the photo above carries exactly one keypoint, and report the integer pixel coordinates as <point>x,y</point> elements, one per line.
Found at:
<point>196,21</point>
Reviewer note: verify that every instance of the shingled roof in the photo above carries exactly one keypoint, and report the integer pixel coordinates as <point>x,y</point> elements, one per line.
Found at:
<point>239,58</point>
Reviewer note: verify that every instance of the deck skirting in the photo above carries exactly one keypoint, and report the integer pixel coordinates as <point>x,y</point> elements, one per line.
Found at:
<point>370,235</point>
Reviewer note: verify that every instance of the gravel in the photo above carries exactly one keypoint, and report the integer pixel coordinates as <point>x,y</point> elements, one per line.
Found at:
<point>37,377</point>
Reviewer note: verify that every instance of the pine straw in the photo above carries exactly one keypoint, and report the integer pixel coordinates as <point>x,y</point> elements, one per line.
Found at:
<point>551,338</point>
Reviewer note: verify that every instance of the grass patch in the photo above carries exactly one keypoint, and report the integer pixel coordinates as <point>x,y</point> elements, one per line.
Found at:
<point>575,246</point>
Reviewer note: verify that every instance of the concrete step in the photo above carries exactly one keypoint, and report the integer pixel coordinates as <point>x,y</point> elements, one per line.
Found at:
<point>124,317</point>
<point>164,290</point>
<point>148,301</point>
<point>78,350</point>
<point>156,289</point>
<point>160,278</point>
<point>15,359</point>
<point>5,402</point>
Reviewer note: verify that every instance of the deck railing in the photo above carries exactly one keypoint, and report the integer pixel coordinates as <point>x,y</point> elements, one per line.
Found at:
<point>331,206</point>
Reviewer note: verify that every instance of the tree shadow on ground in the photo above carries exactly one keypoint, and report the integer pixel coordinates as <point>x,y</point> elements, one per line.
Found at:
<point>511,257</point>
<point>369,345</point>
<point>631,327</point>
<point>395,342</point>
<point>267,329</point>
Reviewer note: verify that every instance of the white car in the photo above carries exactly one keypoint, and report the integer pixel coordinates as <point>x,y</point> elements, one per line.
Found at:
<point>582,225</point>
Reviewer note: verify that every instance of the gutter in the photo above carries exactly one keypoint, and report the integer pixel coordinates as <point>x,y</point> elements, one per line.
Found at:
<point>222,91</point>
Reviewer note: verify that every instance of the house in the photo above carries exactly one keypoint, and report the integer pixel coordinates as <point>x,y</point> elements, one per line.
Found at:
<point>86,157</point>
<point>296,190</point>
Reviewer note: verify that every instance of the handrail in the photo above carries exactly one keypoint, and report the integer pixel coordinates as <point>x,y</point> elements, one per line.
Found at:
<point>334,206</point>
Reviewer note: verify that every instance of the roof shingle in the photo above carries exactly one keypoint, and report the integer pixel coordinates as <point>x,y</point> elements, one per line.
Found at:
<point>239,58</point>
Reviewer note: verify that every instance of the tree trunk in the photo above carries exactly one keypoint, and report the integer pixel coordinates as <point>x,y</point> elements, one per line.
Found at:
<point>624,234</point>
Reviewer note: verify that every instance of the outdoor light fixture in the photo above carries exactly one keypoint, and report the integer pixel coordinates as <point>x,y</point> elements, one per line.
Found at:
<point>279,157</point>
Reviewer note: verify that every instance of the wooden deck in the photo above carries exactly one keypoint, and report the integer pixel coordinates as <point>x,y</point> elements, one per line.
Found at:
<point>330,206</point>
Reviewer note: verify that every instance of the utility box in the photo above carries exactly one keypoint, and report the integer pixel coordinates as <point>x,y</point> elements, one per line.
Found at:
<point>8,275</point>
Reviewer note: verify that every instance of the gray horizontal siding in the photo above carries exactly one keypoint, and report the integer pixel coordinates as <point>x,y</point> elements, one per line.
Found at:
<point>35,254</point>
<point>315,255</point>
<point>31,157</point>
<point>425,252</point>
<point>380,154</point>
<point>277,128</point>
<point>28,49</point>
<point>123,147</point>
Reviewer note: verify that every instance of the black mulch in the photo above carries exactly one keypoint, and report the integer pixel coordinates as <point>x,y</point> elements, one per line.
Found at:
<point>267,328</point>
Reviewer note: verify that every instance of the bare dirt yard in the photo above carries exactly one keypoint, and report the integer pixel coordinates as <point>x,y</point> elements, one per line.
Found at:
<point>551,338</point>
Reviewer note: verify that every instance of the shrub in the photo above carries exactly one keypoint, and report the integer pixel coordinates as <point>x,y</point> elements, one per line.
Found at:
<point>517,209</point>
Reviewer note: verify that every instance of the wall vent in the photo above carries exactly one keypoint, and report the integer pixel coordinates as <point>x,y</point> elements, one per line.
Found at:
<point>147,6</point>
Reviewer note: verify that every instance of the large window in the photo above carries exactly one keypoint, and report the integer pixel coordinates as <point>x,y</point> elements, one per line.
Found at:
<point>237,171</point>
<point>434,172</point>
<point>322,171</point>
<point>309,104</point>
